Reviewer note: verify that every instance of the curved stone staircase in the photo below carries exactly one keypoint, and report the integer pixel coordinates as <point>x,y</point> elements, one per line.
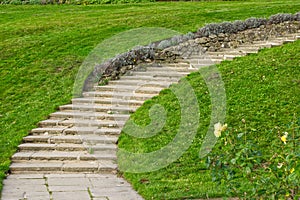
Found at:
<point>80,140</point>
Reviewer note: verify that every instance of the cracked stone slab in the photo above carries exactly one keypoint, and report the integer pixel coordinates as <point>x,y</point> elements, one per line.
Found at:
<point>75,195</point>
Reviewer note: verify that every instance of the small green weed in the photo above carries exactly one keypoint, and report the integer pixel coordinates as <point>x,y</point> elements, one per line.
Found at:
<point>258,168</point>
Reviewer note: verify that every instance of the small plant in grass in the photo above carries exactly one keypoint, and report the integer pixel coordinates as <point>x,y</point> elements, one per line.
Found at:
<point>252,171</point>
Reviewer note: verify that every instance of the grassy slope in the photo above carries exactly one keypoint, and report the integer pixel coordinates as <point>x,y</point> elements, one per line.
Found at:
<point>42,47</point>
<point>263,89</point>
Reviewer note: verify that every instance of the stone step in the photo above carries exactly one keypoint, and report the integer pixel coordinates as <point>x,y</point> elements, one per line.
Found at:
<point>75,139</point>
<point>227,52</point>
<point>88,115</point>
<point>217,60</point>
<point>180,63</point>
<point>75,131</point>
<point>96,139</point>
<point>283,38</point>
<point>202,59</point>
<point>61,156</point>
<point>93,130</point>
<point>257,46</point>
<point>229,55</point>
<point>149,83</point>
<point>275,43</point>
<point>261,44</point>
<point>137,89</point>
<point>51,123</point>
<point>160,74</point>
<point>68,123</point>
<point>66,147</point>
<point>288,41</point>
<point>197,63</point>
<point>112,109</point>
<point>93,123</point>
<point>53,139</point>
<point>109,101</point>
<point>48,130</point>
<point>150,78</point>
<point>100,149</point>
<point>63,167</point>
<point>120,95</point>
<point>51,147</point>
<point>248,50</point>
<point>168,68</point>
<point>290,36</point>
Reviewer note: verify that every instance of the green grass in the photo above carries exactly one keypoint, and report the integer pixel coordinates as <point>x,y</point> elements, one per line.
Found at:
<point>42,48</point>
<point>262,89</point>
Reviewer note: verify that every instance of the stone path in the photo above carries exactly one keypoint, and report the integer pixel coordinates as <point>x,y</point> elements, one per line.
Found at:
<point>72,155</point>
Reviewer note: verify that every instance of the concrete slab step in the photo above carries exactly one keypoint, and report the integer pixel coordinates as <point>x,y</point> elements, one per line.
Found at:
<point>63,167</point>
<point>179,63</point>
<point>88,145</point>
<point>99,140</point>
<point>74,139</point>
<point>149,83</point>
<point>137,89</point>
<point>108,131</point>
<point>50,122</point>
<point>53,123</point>
<point>48,130</point>
<point>288,41</point>
<point>160,74</point>
<point>93,130</point>
<point>227,52</point>
<point>282,38</point>
<point>257,44</point>
<point>51,155</point>
<point>168,68</point>
<point>198,62</point>
<point>68,123</point>
<point>109,101</point>
<point>99,108</point>
<point>150,78</point>
<point>93,123</point>
<point>228,55</point>
<point>53,139</point>
<point>248,50</point>
<point>88,115</point>
<point>291,35</point>
<point>100,149</point>
<point>51,147</point>
<point>120,95</point>
<point>217,61</point>
<point>76,130</point>
<point>61,156</point>
<point>275,43</point>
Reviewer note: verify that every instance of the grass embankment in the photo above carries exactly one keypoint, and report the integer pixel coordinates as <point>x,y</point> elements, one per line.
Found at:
<point>42,47</point>
<point>262,90</point>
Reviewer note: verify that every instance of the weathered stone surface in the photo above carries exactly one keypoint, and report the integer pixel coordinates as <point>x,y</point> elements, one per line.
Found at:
<point>74,195</point>
<point>69,181</point>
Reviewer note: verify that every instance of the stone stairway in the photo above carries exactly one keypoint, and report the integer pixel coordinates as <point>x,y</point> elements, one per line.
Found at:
<point>81,138</point>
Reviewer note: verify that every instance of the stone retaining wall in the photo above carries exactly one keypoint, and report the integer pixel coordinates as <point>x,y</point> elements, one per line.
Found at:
<point>221,41</point>
<point>213,37</point>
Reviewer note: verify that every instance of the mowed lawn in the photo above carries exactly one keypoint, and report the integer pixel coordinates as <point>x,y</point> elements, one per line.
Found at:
<point>262,101</point>
<point>42,47</point>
